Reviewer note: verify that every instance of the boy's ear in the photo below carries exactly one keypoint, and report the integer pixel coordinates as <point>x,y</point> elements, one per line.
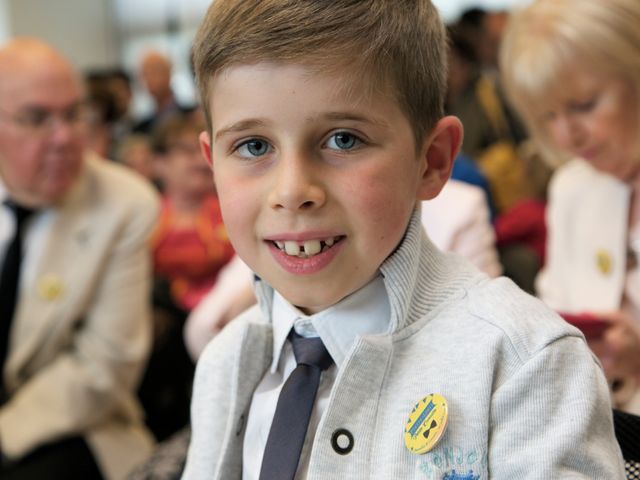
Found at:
<point>205,147</point>
<point>438,153</point>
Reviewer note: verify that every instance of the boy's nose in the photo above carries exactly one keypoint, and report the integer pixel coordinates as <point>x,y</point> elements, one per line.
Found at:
<point>295,186</point>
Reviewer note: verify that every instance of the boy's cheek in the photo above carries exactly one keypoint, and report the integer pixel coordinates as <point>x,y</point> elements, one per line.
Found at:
<point>237,207</point>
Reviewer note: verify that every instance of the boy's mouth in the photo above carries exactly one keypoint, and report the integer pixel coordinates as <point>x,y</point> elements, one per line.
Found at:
<point>308,248</point>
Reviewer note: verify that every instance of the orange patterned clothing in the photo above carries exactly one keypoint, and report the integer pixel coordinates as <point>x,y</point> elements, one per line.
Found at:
<point>190,258</point>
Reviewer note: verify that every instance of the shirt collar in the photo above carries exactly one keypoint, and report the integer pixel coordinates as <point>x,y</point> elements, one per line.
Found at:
<point>365,311</point>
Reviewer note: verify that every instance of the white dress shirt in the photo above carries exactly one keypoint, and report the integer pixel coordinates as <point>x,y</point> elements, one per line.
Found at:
<point>34,234</point>
<point>363,312</point>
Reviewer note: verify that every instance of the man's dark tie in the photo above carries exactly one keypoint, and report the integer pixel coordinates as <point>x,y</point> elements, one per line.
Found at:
<point>295,403</point>
<point>9,280</point>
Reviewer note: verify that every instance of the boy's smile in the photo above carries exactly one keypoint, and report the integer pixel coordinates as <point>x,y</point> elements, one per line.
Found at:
<point>316,181</point>
<point>306,256</point>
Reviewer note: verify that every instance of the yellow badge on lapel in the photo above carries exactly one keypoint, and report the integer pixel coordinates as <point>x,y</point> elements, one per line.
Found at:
<point>604,261</point>
<point>426,424</point>
<point>50,287</point>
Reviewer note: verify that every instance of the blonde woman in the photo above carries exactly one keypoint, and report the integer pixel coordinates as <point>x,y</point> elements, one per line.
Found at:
<point>572,70</point>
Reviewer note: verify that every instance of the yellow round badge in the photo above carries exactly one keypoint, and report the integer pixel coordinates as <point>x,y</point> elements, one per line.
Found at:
<point>426,424</point>
<point>50,287</point>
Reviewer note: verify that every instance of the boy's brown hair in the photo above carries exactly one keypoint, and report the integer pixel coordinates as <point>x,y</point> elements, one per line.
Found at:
<point>394,45</point>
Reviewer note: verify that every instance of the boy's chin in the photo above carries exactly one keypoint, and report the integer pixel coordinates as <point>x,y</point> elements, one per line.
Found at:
<point>310,305</point>
<point>310,309</point>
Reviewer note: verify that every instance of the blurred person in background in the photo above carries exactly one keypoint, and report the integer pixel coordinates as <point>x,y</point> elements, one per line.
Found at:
<point>136,152</point>
<point>155,71</point>
<point>462,98</point>
<point>572,69</point>
<point>75,326</point>
<point>119,85</point>
<point>108,97</point>
<point>492,143</point>
<point>100,112</point>
<point>190,246</point>
<point>485,29</point>
<point>474,95</point>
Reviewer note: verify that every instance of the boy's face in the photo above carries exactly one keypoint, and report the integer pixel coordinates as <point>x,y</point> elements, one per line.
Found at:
<point>316,186</point>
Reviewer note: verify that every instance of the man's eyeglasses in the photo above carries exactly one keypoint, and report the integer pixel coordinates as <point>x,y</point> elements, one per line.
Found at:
<point>41,121</point>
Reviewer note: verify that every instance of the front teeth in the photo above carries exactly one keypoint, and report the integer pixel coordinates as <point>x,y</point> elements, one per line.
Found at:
<point>307,249</point>
<point>311,247</point>
<point>292,248</point>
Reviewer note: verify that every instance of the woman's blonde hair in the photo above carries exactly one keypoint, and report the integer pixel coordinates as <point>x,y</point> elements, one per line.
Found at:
<point>544,40</point>
<point>396,46</point>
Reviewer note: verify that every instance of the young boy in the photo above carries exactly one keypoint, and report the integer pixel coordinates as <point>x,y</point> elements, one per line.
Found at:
<point>325,132</point>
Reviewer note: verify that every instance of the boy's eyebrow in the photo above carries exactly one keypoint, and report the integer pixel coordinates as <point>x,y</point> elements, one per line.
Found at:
<point>239,127</point>
<point>354,117</point>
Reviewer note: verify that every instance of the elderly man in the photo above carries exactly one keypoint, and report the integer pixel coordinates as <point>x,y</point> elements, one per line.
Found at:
<point>74,276</point>
<point>155,73</point>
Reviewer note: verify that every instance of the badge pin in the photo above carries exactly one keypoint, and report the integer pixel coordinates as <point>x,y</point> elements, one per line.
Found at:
<point>426,424</point>
<point>50,287</point>
<point>604,261</point>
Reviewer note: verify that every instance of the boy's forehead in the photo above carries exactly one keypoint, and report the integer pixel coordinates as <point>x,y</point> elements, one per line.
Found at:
<point>349,85</point>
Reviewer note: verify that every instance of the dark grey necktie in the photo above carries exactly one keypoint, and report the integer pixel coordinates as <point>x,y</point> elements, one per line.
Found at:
<point>295,403</point>
<point>9,281</point>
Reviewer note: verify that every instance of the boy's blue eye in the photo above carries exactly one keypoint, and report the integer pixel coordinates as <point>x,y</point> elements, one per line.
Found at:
<point>343,141</point>
<point>253,148</point>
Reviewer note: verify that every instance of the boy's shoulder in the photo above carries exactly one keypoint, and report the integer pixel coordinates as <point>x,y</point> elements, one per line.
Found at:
<point>527,323</point>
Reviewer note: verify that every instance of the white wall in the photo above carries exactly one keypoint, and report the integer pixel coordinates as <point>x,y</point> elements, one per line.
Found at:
<point>5,33</point>
<point>451,9</point>
<point>82,29</point>
<point>147,15</point>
